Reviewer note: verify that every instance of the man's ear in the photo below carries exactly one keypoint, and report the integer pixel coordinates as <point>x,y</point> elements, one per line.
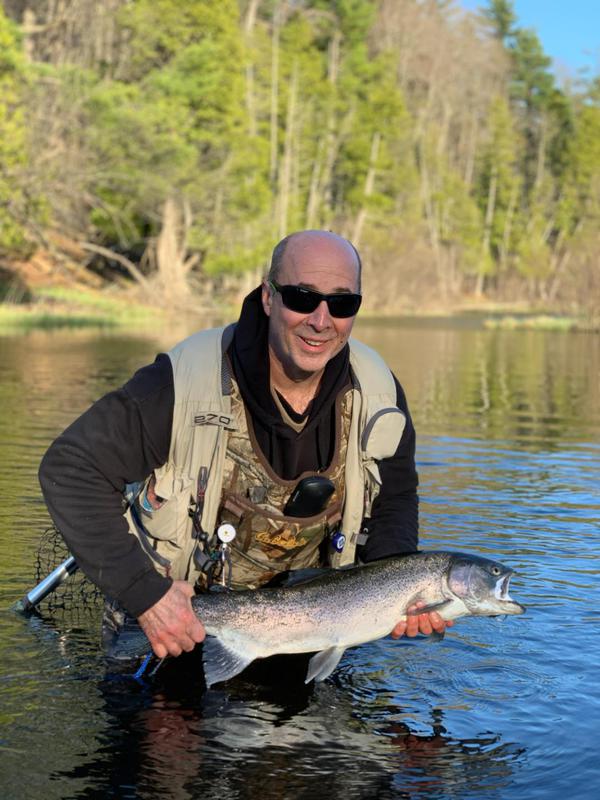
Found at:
<point>267,298</point>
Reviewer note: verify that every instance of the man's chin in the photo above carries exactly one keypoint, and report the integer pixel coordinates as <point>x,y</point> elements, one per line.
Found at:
<point>306,365</point>
<point>299,372</point>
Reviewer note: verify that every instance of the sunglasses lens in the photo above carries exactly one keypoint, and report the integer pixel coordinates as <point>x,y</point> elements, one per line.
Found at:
<point>304,301</point>
<point>343,305</point>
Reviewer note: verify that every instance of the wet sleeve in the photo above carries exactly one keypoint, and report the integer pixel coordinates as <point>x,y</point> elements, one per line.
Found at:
<point>120,439</point>
<point>393,527</point>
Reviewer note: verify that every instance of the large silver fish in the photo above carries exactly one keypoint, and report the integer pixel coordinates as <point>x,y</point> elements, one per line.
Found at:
<point>339,609</point>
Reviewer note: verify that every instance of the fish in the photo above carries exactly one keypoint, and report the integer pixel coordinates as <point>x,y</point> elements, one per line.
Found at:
<point>338,609</point>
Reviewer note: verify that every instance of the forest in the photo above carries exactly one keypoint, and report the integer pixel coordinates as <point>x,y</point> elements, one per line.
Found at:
<point>169,145</point>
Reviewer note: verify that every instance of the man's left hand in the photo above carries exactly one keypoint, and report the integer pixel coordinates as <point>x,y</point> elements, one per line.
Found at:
<point>425,623</point>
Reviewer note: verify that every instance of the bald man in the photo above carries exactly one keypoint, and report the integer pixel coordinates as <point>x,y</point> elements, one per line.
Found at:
<point>271,445</point>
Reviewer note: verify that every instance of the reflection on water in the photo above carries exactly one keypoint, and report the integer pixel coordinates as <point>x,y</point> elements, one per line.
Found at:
<point>249,742</point>
<point>509,459</point>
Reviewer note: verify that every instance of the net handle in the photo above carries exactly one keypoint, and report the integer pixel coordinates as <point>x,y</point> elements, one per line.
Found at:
<point>48,585</point>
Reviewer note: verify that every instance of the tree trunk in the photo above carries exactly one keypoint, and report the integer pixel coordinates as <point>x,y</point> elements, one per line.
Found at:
<point>434,238</point>
<point>249,23</point>
<point>274,95</point>
<point>368,191</point>
<point>286,167</point>
<point>171,247</point>
<point>487,230</point>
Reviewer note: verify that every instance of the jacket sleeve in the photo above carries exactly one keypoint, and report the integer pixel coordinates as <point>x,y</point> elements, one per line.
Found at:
<point>393,527</point>
<point>120,439</point>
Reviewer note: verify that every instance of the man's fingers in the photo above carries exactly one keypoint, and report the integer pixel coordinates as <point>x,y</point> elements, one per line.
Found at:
<point>171,645</point>
<point>424,623</point>
<point>416,623</point>
<point>159,650</point>
<point>399,630</point>
<point>412,626</point>
<point>171,624</point>
<point>196,630</point>
<point>439,624</point>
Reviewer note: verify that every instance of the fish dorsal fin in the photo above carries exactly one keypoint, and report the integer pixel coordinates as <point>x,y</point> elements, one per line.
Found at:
<point>222,662</point>
<point>322,664</point>
<point>295,577</point>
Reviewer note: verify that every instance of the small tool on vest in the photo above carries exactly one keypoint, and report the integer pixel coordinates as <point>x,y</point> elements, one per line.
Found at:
<point>205,559</point>
<point>226,533</point>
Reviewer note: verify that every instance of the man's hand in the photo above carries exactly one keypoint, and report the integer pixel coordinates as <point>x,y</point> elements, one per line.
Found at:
<point>425,623</point>
<point>171,625</point>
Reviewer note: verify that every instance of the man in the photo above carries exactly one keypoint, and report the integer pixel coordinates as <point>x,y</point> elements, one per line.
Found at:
<point>220,431</point>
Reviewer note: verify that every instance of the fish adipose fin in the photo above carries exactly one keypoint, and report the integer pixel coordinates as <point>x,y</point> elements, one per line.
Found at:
<point>221,662</point>
<point>322,664</point>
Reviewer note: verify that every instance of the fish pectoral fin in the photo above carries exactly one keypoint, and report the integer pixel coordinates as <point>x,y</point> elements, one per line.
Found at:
<point>430,607</point>
<point>222,662</point>
<point>322,664</point>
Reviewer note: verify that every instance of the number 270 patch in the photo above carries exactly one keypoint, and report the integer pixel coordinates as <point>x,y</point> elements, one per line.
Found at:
<point>214,419</point>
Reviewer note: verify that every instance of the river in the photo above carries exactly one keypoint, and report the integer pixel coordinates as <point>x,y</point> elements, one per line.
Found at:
<point>508,450</point>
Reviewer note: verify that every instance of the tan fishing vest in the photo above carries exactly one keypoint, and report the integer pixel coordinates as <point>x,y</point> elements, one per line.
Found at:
<point>267,541</point>
<point>212,449</point>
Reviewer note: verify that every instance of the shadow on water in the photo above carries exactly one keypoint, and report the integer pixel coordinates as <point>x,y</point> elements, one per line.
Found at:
<point>270,736</point>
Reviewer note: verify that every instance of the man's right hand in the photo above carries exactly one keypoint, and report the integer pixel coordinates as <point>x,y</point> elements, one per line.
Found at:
<point>171,625</point>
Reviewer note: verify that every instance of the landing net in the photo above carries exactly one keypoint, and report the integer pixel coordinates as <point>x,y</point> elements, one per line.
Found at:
<point>76,597</point>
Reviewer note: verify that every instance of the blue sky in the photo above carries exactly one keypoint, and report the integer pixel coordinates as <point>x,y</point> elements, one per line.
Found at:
<point>567,29</point>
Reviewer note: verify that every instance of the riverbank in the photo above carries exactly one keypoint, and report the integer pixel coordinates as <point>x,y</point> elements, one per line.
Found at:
<point>35,296</point>
<point>76,308</point>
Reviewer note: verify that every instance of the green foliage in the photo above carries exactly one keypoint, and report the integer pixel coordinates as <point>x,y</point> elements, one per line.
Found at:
<point>501,18</point>
<point>13,137</point>
<point>499,179</point>
<point>328,113</point>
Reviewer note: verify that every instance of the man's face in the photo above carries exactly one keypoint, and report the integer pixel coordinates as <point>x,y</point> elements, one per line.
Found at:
<point>304,343</point>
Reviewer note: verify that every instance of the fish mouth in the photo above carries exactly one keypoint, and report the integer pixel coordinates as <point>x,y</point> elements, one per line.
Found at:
<point>502,585</point>
<point>501,593</point>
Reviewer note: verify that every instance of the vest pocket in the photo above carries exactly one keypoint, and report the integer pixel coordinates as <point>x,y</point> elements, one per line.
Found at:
<point>382,433</point>
<point>164,529</point>
<point>268,542</point>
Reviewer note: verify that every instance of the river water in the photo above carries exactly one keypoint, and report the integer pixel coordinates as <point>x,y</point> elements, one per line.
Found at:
<point>508,426</point>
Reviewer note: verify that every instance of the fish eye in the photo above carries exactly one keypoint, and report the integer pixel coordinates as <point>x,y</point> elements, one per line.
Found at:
<point>496,571</point>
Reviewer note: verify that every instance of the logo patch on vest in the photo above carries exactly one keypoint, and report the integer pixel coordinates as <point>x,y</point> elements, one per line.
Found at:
<point>224,420</point>
<point>284,539</point>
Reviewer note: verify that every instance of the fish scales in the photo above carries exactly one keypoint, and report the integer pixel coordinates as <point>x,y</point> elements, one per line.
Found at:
<point>343,608</point>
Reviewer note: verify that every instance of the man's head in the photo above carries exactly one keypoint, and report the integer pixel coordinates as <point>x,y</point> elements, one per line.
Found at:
<point>301,341</point>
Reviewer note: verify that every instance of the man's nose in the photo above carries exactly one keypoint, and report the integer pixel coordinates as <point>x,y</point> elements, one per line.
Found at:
<point>320,318</point>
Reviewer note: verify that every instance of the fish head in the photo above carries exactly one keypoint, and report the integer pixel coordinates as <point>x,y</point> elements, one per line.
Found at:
<point>482,585</point>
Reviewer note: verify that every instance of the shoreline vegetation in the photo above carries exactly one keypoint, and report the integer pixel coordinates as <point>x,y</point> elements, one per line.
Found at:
<point>152,154</point>
<point>80,306</point>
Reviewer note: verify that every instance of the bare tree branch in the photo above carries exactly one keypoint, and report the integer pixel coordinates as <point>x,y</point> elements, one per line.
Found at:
<point>123,260</point>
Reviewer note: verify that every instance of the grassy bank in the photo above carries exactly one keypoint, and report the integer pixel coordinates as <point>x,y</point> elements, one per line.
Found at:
<point>544,322</point>
<point>60,307</point>
<point>79,307</point>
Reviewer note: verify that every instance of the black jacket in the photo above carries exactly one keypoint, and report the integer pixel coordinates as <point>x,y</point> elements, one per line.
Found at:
<point>126,435</point>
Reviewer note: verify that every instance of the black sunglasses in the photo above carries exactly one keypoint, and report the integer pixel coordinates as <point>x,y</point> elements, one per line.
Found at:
<point>305,301</point>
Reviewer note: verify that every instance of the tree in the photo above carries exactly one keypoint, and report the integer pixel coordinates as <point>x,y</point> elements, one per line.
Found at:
<point>14,201</point>
<point>500,18</point>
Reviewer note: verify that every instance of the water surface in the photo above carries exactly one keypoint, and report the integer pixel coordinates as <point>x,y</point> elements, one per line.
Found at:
<point>508,429</point>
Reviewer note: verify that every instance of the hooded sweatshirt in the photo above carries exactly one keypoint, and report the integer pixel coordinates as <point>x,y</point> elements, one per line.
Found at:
<point>126,434</point>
